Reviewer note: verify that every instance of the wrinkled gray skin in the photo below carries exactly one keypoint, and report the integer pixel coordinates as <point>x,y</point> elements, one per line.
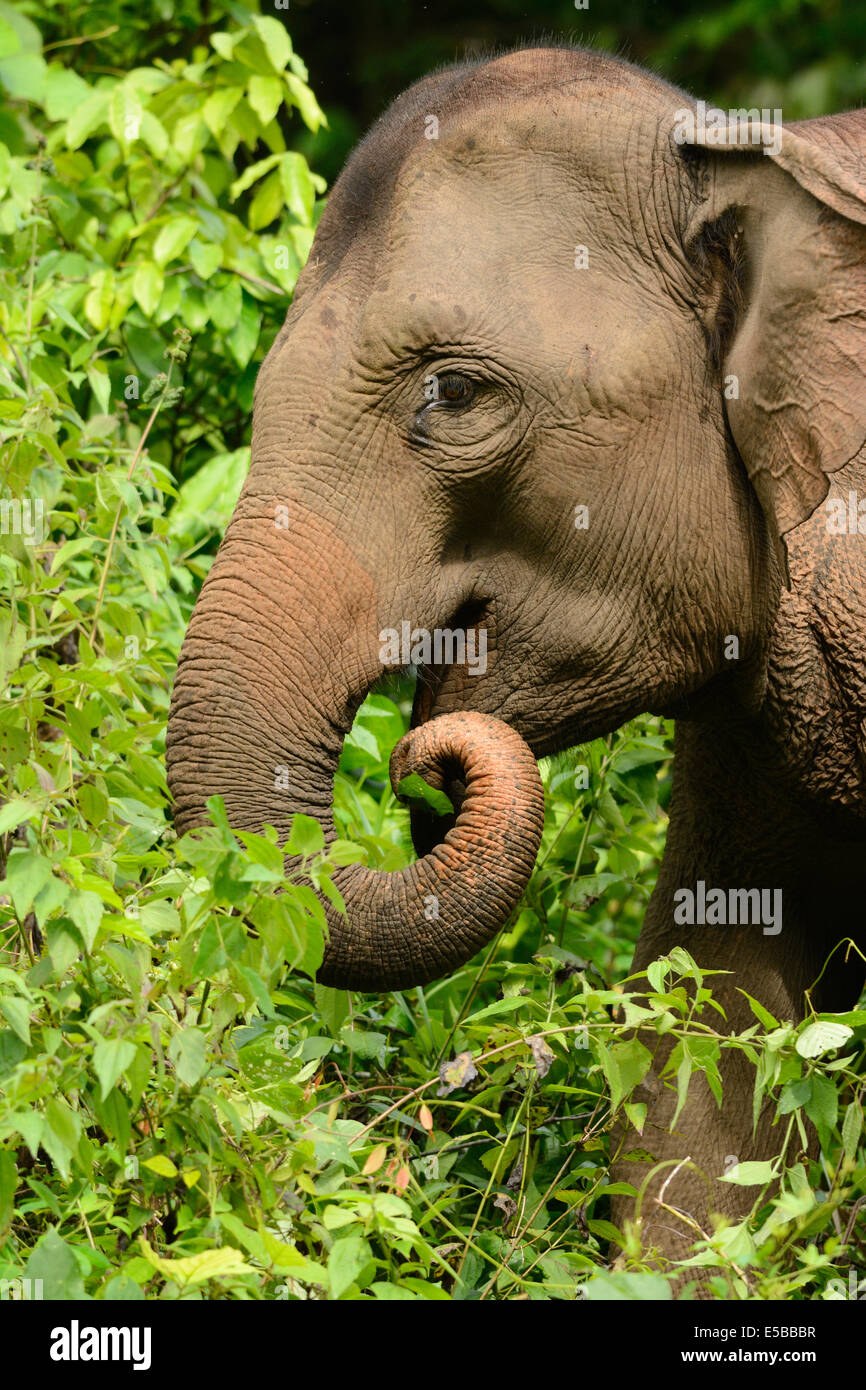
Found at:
<point>601,386</point>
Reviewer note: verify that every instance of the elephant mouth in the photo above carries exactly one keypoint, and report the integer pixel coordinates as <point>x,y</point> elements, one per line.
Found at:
<point>474,617</point>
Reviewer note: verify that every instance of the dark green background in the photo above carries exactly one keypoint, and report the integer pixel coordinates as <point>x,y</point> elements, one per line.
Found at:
<point>806,56</point>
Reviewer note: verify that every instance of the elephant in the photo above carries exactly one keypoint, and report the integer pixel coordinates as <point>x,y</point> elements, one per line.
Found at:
<point>545,288</point>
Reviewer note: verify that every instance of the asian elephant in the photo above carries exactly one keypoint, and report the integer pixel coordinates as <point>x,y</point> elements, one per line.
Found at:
<point>546,289</point>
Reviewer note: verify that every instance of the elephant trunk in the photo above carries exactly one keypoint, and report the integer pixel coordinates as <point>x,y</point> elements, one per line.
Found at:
<point>257,706</point>
<point>413,926</point>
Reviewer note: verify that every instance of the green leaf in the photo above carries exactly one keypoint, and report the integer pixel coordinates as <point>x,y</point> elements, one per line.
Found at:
<point>122,1288</point>
<point>762,1014</point>
<point>147,286</point>
<point>794,1095</point>
<point>154,134</point>
<point>27,871</point>
<point>625,1065</point>
<point>54,1262</point>
<point>17,1013</point>
<point>61,1135</point>
<point>124,114</point>
<point>100,384</point>
<point>86,910</point>
<point>341,852</point>
<point>188,1051</point>
<point>15,813</point>
<point>294,923</point>
<point>252,174</point>
<point>225,43</point>
<point>275,38</point>
<point>222,1263</point>
<point>23,77</point>
<point>620,1286</point>
<point>29,39</point>
<point>302,97</point>
<point>656,974</point>
<point>750,1174</point>
<point>363,1044</point>
<point>161,1165</point>
<point>9,40</point>
<point>225,306</point>
<point>347,1259</point>
<point>64,92</point>
<point>499,1006</point>
<point>113,1115</point>
<point>244,337</point>
<point>636,1112</point>
<point>820,1036</point>
<point>219,106</point>
<point>289,1258</point>
<point>208,498</point>
<point>173,238</point>
<point>822,1107</point>
<point>265,96</point>
<point>297,184</point>
<point>65,317</point>
<point>189,136</point>
<point>333,1007</point>
<point>8,1186</point>
<point>306,838</point>
<point>414,788</point>
<point>206,257</point>
<point>100,301</point>
<point>852,1127</point>
<point>111,1057</point>
<point>87,118</point>
<point>267,203</point>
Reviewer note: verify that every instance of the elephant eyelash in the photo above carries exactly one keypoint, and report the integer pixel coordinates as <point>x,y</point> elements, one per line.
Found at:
<point>450,392</point>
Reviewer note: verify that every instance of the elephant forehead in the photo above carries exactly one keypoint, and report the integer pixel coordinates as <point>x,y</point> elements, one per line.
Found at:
<point>581,135</point>
<point>526,250</point>
<point>585,127</point>
<point>503,199</point>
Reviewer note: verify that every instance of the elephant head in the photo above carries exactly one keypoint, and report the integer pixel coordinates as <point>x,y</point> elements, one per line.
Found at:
<point>554,374</point>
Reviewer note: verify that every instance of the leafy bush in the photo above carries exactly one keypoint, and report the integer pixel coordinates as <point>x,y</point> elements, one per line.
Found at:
<point>184,1113</point>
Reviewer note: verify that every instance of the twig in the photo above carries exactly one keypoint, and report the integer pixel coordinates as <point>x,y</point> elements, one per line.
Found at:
<point>84,38</point>
<point>106,565</point>
<point>265,284</point>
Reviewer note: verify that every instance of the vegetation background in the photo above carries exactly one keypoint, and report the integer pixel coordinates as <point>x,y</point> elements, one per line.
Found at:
<point>183,1114</point>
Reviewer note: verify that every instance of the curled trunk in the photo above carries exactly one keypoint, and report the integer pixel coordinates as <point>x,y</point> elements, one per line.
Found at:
<point>265,693</point>
<point>410,927</point>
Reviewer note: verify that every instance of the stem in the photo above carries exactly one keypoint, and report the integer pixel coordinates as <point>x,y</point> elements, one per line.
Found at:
<point>106,564</point>
<point>575,873</point>
<point>494,1173</point>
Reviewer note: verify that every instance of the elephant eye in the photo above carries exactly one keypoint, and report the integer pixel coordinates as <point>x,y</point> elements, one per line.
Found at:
<point>451,389</point>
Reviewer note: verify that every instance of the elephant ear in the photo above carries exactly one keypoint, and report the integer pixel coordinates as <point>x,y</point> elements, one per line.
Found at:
<point>794,212</point>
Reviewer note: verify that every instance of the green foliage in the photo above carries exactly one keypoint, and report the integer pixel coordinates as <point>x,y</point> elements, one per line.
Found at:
<point>161,197</point>
<point>183,1112</point>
